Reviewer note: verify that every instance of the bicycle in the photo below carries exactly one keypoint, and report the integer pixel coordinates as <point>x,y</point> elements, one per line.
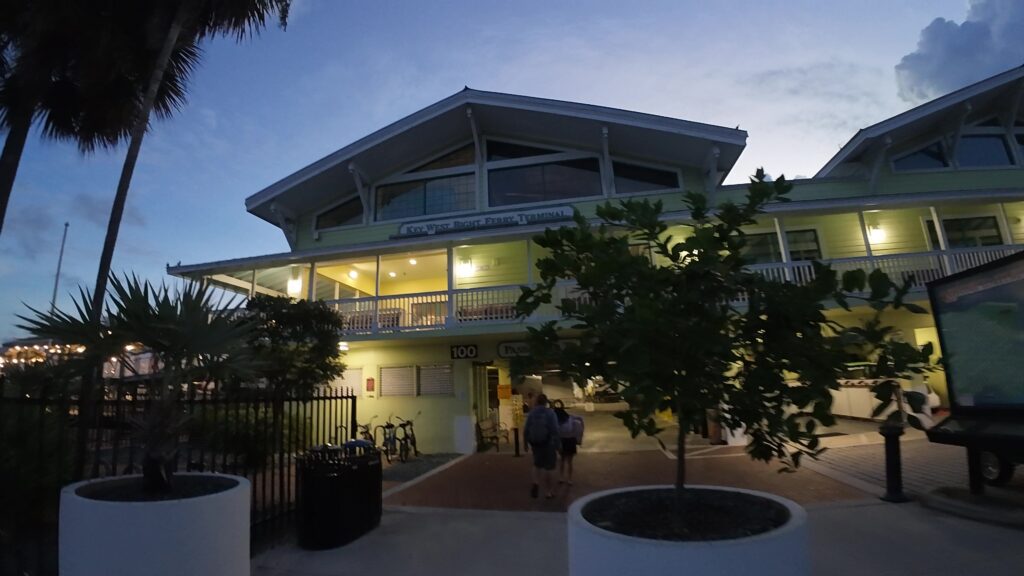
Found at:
<point>407,439</point>
<point>389,444</point>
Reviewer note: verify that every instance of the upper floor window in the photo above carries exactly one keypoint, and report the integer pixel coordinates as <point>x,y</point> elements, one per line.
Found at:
<point>544,182</point>
<point>763,248</point>
<point>967,232</point>
<point>497,150</point>
<point>632,179</point>
<point>930,157</point>
<point>464,156</point>
<point>982,150</point>
<point>345,214</point>
<point>426,197</point>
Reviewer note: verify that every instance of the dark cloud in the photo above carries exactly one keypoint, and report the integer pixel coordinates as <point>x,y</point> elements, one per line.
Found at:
<point>950,55</point>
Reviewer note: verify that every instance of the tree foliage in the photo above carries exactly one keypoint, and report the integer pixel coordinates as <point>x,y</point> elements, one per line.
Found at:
<point>682,324</point>
<point>296,342</point>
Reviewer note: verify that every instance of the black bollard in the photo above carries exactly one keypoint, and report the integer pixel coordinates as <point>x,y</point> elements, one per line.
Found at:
<point>893,464</point>
<point>515,432</point>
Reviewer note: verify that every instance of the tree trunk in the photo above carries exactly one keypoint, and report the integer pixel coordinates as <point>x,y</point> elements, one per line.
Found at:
<point>14,145</point>
<point>128,169</point>
<point>87,407</point>
<point>681,449</point>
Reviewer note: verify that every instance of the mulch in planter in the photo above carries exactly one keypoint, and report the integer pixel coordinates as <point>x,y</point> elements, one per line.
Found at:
<point>703,514</point>
<point>130,489</point>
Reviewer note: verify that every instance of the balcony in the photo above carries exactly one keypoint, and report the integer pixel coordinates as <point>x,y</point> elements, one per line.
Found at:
<point>496,305</point>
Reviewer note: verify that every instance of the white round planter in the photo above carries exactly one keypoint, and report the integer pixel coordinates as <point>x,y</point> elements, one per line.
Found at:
<point>594,551</point>
<point>201,536</point>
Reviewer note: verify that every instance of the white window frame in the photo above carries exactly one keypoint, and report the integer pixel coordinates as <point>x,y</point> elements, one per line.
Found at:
<point>316,215</point>
<point>561,156</point>
<point>987,214</point>
<point>415,381</point>
<point>443,173</point>
<point>678,172</point>
<point>941,141</point>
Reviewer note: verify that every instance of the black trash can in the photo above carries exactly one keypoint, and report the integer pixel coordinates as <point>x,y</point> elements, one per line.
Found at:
<point>339,494</point>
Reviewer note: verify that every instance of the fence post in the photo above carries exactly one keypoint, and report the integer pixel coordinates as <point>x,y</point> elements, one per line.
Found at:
<point>353,421</point>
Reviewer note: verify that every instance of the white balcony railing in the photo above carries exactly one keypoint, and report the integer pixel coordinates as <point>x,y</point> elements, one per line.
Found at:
<point>497,305</point>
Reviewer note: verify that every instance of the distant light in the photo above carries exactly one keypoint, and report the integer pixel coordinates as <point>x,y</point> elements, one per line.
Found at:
<point>294,287</point>
<point>80,349</point>
<point>130,348</point>
<point>412,261</point>
<point>392,274</point>
<point>586,363</point>
<point>343,346</point>
<point>353,274</point>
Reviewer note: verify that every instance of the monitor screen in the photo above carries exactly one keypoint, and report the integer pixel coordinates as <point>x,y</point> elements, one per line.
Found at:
<point>980,319</point>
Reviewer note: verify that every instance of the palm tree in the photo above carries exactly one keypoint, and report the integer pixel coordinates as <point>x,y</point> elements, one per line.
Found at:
<point>57,68</point>
<point>188,22</point>
<point>194,337</point>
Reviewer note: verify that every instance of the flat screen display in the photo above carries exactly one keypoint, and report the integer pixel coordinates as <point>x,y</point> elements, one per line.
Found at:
<point>980,319</point>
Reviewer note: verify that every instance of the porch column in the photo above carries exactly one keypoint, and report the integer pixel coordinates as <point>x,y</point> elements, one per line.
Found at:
<point>450,320</point>
<point>529,262</point>
<point>864,235</point>
<point>376,296</point>
<point>252,285</point>
<point>1004,225</point>
<point>780,233</point>
<point>940,233</point>
<point>311,284</point>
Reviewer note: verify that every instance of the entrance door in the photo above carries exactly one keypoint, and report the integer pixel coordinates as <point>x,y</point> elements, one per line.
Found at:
<point>481,396</point>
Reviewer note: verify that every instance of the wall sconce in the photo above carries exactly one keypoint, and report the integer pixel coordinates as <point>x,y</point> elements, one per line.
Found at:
<point>353,274</point>
<point>876,235</point>
<point>392,274</point>
<point>294,288</point>
<point>343,346</point>
<point>412,261</point>
<point>464,268</point>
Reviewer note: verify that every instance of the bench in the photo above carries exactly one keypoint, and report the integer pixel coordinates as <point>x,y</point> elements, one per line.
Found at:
<point>490,432</point>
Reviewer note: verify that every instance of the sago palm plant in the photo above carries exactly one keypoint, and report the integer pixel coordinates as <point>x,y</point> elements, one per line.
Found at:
<point>194,336</point>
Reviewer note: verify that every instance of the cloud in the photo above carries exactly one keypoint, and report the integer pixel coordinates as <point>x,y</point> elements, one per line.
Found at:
<point>950,56</point>
<point>96,210</point>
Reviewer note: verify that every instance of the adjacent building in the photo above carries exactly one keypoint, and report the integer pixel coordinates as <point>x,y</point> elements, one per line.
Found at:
<point>419,234</point>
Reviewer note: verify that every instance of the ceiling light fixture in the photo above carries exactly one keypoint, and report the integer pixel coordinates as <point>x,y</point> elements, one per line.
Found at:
<point>412,261</point>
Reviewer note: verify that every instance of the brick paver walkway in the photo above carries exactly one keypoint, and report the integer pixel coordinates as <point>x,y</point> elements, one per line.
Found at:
<point>501,482</point>
<point>926,466</point>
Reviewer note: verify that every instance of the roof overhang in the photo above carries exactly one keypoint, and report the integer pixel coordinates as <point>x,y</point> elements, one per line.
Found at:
<point>445,124</point>
<point>927,117</point>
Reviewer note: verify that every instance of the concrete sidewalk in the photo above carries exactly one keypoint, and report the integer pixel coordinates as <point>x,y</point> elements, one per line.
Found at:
<point>847,539</point>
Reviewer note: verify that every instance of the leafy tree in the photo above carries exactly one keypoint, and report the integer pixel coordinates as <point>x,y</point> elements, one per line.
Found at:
<point>683,325</point>
<point>296,342</point>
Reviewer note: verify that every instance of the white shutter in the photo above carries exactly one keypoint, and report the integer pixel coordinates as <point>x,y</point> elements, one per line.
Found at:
<point>436,380</point>
<point>398,381</point>
<point>351,379</point>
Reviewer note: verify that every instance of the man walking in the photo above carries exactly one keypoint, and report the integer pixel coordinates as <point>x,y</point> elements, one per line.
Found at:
<point>541,433</point>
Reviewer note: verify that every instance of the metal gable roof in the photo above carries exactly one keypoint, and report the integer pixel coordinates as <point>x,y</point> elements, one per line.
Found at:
<point>444,123</point>
<point>865,137</point>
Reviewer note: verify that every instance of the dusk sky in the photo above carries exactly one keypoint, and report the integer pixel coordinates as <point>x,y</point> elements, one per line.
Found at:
<point>801,77</point>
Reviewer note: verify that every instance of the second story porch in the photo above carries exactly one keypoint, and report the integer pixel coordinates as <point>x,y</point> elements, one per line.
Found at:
<point>476,285</point>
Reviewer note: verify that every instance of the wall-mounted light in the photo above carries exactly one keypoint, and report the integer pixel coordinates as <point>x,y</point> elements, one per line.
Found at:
<point>412,261</point>
<point>343,346</point>
<point>353,274</point>
<point>464,268</point>
<point>392,274</point>
<point>294,287</point>
<point>876,235</point>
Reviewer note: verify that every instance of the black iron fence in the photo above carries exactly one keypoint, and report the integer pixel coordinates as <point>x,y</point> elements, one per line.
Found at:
<point>249,432</point>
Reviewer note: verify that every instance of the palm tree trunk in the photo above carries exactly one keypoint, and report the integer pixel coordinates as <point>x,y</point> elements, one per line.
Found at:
<point>128,169</point>
<point>87,412</point>
<point>14,145</point>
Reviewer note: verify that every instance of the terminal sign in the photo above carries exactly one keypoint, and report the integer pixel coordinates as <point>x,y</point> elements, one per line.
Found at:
<point>464,351</point>
<point>485,221</point>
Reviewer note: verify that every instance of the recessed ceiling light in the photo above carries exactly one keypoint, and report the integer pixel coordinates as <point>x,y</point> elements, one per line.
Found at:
<point>392,274</point>
<point>353,274</point>
<point>412,261</point>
